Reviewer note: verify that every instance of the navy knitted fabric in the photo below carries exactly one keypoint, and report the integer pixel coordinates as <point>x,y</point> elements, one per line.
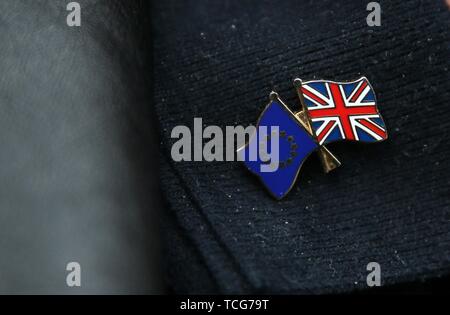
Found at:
<point>388,203</point>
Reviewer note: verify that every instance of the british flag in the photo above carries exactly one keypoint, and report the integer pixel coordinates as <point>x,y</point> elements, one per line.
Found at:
<point>341,111</point>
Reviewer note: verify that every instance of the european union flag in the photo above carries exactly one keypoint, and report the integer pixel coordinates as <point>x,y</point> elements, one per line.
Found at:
<point>282,143</point>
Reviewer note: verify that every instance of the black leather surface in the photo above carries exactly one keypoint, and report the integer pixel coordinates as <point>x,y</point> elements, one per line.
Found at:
<point>78,180</point>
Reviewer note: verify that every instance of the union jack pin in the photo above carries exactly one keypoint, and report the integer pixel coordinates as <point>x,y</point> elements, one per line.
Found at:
<point>330,111</point>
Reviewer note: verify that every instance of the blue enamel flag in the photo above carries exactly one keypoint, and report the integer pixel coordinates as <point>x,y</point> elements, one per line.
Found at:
<point>276,152</point>
<point>343,111</point>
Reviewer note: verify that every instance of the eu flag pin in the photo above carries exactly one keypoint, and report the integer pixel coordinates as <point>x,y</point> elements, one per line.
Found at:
<point>330,111</point>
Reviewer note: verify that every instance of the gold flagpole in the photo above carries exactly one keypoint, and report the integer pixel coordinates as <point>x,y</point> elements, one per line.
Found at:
<point>329,161</point>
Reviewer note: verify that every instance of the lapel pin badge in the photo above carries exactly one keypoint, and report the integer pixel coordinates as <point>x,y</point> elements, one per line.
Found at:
<point>329,112</point>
